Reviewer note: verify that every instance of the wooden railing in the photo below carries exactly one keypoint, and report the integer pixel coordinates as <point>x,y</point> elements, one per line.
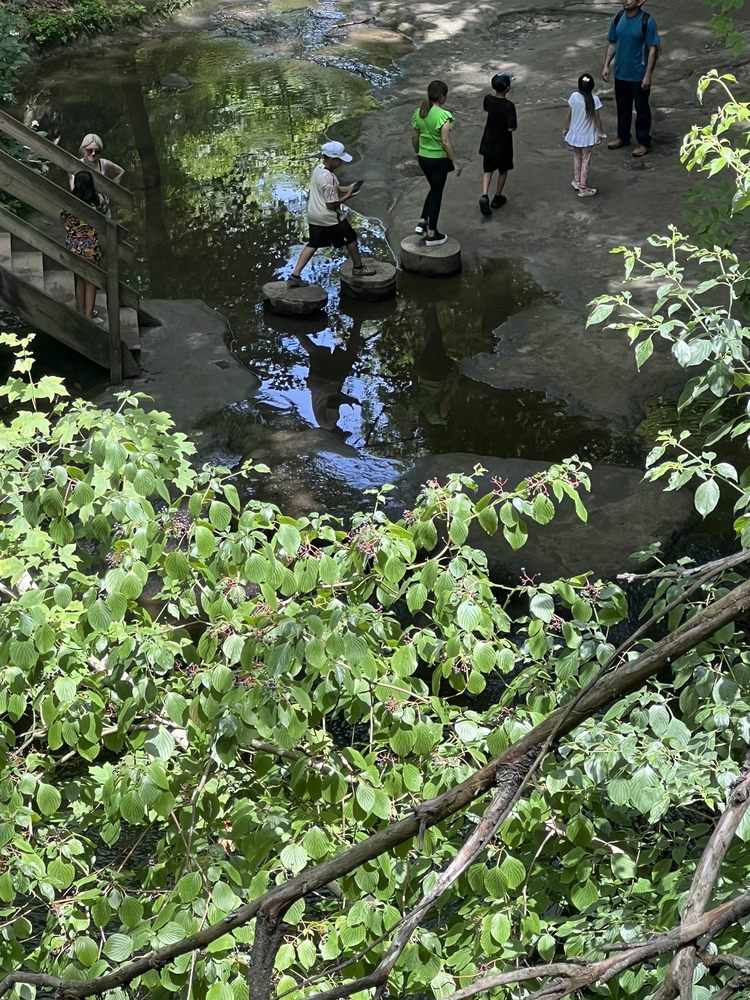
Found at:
<point>31,188</point>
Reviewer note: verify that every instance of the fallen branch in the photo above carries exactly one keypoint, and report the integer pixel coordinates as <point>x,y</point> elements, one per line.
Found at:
<point>617,680</point>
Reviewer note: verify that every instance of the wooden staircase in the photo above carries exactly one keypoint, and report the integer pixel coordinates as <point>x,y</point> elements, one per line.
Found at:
<point>37,272</point>
<point>32,268</point>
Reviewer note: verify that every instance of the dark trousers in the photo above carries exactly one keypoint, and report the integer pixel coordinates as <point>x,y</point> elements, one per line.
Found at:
<point>627,94</point>
<point>436,171</point>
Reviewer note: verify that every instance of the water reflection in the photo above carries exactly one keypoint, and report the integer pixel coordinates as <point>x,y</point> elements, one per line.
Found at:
<point>433,370</point>
<point>328,367</point>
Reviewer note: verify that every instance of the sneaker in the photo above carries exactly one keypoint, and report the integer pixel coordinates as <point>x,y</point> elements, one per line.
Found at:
<point>576,185</point>
<point>484,205</point>
<point>616,143</point>
<point>364,271</point>
<point>640,151</point>
<point>294,281</point>
<point>436,240</point>
<point>499,200</point>
<point>421,228</point>
<point>586,192</point>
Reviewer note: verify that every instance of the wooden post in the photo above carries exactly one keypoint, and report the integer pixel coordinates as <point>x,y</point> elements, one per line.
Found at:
<point>112,267</point>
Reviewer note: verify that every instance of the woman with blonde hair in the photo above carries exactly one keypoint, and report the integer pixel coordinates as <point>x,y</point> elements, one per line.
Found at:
<point>90,155</point>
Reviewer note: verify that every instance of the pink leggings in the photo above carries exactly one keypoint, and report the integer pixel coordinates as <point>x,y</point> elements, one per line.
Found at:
<point>581,160</point>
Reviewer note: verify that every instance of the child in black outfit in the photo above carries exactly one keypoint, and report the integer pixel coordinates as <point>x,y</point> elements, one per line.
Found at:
<point>497,142</point>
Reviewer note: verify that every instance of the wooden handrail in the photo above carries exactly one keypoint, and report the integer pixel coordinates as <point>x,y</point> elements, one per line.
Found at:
<point>69,163</point>
<point>69,260</point>
<point>72,329</point>
<point>31,188</point>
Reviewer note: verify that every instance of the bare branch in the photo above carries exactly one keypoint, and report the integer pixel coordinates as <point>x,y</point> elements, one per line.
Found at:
<point>713,567</point>
<point>32,979</point>
<point>731,961</point>
<point>566,978</point>
<point>679,977</point>
<point>732,987</point>
<point>619,679</point>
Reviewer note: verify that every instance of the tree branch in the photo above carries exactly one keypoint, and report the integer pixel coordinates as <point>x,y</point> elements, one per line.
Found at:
<point>679,977</point>
<point>268,936</point>
<point>732,961</point>
<point>732,987</point>
<point>618,679</point>
<point>566,978</point>
<point>713,567</point>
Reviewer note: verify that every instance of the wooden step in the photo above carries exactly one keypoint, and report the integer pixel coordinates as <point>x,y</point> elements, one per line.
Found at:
<point>129,330</point>
<point>60,285</point>
<point>29,266</point>
<point>5,250</point>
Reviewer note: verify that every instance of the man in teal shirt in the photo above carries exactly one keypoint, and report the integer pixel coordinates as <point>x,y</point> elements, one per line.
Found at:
<point>633,43</point>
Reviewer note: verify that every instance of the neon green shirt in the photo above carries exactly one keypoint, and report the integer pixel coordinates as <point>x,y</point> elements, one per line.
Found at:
<point>429,131</point>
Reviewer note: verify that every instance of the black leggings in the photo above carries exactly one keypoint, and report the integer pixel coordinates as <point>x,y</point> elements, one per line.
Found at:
<point>436,171</point>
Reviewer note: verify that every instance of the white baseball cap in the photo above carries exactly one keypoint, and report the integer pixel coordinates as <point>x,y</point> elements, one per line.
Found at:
<point>336,149</point>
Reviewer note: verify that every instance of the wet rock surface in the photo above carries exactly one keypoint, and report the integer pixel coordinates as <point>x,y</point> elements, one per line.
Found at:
<point>190,337</point>
<point>546,346</point>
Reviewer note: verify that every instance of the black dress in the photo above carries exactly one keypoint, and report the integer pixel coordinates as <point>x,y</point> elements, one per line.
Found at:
<point>497,141</point>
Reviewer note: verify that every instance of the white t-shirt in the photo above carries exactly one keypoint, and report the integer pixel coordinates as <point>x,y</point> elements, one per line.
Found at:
<point>324,190</point>
<point>583,130</point>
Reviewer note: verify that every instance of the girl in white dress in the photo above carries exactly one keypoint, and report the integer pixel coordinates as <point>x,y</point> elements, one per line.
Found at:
<point>583,130</point>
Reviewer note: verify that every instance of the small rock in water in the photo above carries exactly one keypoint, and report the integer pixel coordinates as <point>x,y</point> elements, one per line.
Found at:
<point>173,81</point>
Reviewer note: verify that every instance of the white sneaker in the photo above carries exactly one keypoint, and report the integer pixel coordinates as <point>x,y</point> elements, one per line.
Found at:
<point>586,192</point>
<point>576,185</point>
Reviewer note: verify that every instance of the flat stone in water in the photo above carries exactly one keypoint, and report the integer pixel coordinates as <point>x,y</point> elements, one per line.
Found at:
<point>303,301</point>
<point>371,288</point>
<point>173,81</point>
<point>436,261</point>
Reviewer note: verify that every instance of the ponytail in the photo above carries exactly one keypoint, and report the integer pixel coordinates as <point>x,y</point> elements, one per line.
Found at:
<point>436,91</point>
<point>586,88</point>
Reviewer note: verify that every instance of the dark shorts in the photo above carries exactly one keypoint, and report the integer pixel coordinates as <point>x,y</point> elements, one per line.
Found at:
<point>340,235</point>
<point>497,161</point>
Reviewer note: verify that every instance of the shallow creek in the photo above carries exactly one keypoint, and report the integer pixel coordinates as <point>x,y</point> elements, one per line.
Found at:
<point>216,119</point>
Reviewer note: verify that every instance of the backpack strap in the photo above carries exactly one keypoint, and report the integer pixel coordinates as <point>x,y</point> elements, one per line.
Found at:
<point>645,18</point>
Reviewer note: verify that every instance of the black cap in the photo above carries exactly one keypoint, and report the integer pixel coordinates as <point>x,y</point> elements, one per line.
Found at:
<point>500,82</point>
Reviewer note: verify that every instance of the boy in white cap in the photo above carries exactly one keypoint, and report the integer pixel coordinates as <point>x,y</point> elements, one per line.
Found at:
<point>328,225</point>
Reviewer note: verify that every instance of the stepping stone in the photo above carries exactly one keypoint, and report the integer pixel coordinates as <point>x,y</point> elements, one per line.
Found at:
<point>434,261</point>
<point>381,285</point>
<point>280,298</point>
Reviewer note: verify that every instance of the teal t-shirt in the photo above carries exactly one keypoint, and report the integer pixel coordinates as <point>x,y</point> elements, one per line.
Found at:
<point>429,131</point>
<point>631,55</point>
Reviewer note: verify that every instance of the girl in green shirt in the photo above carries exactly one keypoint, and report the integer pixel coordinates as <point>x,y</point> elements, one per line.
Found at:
<point>436,154</point>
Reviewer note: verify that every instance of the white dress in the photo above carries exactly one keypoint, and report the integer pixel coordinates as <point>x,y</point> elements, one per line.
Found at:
<point>583,131</point>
